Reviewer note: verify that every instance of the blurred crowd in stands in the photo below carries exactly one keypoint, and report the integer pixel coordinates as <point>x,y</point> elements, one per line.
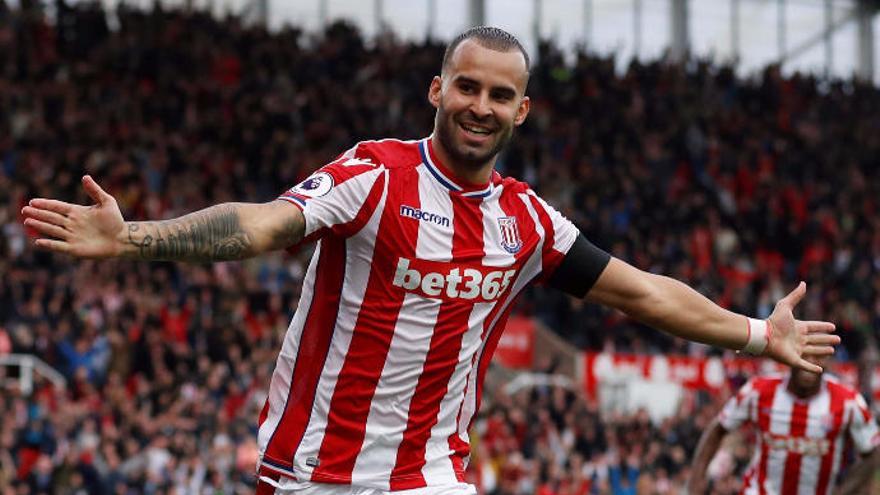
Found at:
<point>738,187</point>
<point>554,441</point>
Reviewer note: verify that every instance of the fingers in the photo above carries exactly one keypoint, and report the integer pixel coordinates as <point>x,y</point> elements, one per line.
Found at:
<point>44,215</point>
<point>795,296</point>
<point>808,366</point>
<point>818,350</point>
<point>819,326</point>
<point>48,229</point>
<point>53,245</point>
<point>59,207</point>
<point>822,339</point>
<point>94,190</point>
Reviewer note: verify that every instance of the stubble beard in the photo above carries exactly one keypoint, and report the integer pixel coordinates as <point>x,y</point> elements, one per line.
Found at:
<point>446,127</point>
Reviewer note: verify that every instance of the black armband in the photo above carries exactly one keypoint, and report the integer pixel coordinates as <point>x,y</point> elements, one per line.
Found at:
<point>580,268</point>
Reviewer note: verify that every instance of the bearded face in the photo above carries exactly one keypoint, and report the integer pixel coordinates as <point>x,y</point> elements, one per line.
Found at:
<point>469,139</point>
<point>479,100</point>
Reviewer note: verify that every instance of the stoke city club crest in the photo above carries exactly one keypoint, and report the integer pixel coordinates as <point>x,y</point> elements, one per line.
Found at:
<point>510,239</point>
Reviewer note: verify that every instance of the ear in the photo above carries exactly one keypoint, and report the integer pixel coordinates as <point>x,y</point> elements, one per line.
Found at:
<point>522,111</point>
<point>434,91</point>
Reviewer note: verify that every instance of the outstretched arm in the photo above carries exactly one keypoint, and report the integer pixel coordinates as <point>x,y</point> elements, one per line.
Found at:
<point>706,450</point>
<point>670,305</point>
<point>229,231</point>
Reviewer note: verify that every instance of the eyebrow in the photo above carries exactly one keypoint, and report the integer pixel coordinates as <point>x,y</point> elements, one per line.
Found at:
<point>502,90</point>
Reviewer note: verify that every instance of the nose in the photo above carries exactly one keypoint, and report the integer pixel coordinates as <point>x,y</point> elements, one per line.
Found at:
<point>480,106</point>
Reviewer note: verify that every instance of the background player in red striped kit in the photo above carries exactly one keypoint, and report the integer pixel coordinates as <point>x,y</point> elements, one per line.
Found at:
<point>803,422</point>
<point>421,250</point>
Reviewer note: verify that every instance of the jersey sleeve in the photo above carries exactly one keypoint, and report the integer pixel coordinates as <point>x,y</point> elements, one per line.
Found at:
<point>738,409</point>
<point>338,197</point>
<point>559,236</point>
<point>863,427</point>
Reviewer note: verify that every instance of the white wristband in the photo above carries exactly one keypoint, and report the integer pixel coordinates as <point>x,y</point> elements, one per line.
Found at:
<point>759,337</point>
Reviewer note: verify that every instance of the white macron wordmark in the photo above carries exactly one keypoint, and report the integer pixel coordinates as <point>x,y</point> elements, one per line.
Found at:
<point>425,216</point>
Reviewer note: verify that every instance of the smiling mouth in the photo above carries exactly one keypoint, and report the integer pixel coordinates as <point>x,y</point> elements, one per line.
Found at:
<point>476,129</point>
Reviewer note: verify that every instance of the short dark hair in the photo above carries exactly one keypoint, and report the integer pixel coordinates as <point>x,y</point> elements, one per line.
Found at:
<point>489,37</point>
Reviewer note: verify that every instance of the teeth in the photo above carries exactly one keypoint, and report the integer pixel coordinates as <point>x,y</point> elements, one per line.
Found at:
<point>475,130</point>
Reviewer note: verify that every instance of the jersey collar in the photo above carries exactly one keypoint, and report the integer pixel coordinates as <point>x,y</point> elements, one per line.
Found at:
<point>445,176</point>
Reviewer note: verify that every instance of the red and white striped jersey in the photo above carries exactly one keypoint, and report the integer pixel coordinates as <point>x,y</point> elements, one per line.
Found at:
<point>800,441</point>
<point>412,280</point>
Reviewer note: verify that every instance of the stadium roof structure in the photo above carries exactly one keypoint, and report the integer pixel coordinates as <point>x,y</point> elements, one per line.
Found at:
<point>831,38</point>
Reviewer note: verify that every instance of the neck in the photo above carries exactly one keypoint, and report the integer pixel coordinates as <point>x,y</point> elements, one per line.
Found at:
<point>469,173</point>
<point>803,392</point>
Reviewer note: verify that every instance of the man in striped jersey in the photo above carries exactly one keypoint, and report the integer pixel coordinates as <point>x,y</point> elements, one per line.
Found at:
<point>421,249</point>
<point>803,420</point>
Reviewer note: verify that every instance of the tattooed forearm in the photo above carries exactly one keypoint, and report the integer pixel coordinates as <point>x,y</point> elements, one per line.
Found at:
<point>287,233</point>
<point>212,234</point>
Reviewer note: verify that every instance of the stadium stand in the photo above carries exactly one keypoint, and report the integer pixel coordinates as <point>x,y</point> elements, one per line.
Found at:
<point>753,183</point>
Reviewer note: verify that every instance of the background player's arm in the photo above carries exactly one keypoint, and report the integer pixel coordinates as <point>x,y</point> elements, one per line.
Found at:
<point>228,231</point>
<point>858,479</point>
<point>708,446</point>
<point>672,306</point>
<point>865,436</point>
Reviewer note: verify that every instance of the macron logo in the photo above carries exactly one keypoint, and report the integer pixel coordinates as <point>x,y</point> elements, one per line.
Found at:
<point>417,214</point>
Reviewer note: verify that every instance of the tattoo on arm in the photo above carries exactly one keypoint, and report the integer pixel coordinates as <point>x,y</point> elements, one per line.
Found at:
<point>289,233</point>
<point>212,234</point>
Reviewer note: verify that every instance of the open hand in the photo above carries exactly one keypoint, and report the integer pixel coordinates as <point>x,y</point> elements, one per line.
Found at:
<point>795,342</point>
<point>81,231</point>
